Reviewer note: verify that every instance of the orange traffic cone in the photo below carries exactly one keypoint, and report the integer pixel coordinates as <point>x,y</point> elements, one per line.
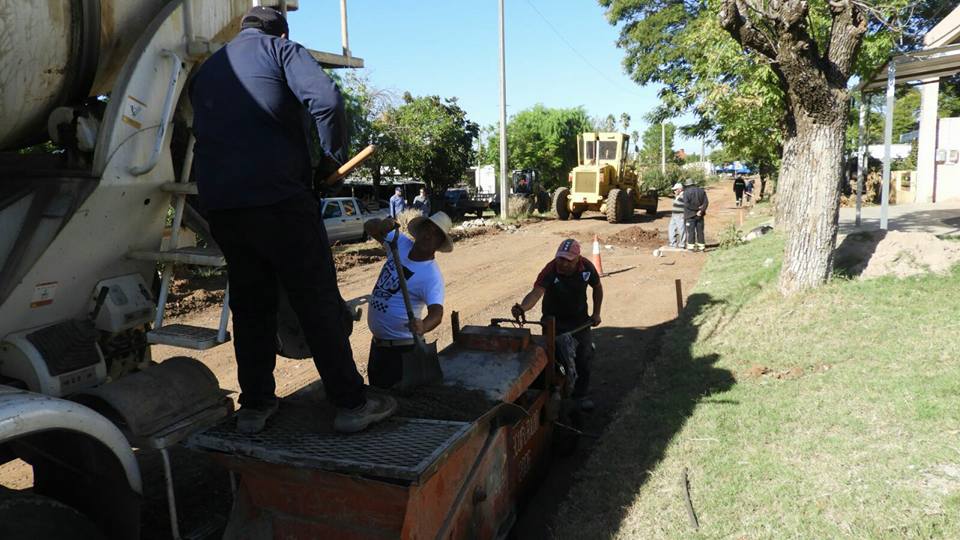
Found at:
<point>596,255</point>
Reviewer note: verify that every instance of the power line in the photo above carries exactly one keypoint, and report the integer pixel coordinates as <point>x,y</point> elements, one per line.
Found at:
<point>575,51</point>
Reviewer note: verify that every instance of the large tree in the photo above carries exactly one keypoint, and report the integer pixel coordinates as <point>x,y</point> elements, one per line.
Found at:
<point>541,138</point>
<point>430,139</point>
<point>797,57</point>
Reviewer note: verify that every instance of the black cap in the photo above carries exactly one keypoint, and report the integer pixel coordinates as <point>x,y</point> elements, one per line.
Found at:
<point>267,19</point>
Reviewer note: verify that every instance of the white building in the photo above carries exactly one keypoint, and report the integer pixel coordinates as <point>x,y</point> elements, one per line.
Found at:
<point>938,146</point>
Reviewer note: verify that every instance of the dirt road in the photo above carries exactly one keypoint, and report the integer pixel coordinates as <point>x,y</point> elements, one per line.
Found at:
<point>486,275</point>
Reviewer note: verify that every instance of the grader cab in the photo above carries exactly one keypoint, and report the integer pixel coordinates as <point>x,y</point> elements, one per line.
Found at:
<point>603,182</point>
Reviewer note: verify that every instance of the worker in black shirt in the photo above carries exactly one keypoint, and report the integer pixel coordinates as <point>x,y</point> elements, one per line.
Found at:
<point>563,286</point>
<point>695,208</point>
<point>253,171</point>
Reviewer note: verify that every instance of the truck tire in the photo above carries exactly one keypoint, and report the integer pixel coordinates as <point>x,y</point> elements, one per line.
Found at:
<point>561,198</point>
<point>616,205</point>
<point>28,516</point>
<point>543,202</point>
<point>652,210</point>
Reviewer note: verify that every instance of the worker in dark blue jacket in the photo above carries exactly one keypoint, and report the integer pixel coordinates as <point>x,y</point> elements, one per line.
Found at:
<point>251,102</point>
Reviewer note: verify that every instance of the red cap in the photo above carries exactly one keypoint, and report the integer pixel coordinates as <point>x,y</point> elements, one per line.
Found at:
<point>569,249</point>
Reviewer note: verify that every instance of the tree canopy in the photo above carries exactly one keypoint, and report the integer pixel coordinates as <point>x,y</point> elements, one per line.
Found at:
<point>428,138</point>
<point>541,138</point>
<point>650,151</point>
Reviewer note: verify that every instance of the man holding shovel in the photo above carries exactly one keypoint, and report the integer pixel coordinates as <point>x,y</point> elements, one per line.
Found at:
<point>563,286</point>
<point>253,171</point>
<point>396,335</point>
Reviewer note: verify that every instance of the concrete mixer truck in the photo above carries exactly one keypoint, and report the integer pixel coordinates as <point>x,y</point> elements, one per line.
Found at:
<point>81,223</point>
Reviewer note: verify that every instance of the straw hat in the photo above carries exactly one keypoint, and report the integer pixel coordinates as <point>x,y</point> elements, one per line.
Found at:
<point>441,220</point>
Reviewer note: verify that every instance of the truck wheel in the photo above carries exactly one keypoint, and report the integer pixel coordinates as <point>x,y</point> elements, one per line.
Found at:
<point>615,205</point>
<point>652,194</point>
<point>561,201</point>
<point>27,516</point>
<point>543,202</point>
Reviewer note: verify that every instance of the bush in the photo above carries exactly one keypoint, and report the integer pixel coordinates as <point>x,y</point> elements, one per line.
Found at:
<point>730,236</point>
<point>519,206</point>
<point>654,179</point>
<point>403,219</point>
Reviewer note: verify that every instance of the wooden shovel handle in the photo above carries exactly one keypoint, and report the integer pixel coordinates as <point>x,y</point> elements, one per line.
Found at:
<point>352,164</point>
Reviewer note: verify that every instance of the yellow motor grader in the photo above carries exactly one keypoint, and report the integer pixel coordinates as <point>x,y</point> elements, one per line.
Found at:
<point>603,182</point>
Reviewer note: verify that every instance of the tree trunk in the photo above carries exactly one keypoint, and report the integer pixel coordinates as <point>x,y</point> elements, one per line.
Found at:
<point>808,195</point>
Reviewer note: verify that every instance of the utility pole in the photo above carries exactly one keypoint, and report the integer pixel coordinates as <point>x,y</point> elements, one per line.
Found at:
<point>663,149</point>
<point>503,121</point>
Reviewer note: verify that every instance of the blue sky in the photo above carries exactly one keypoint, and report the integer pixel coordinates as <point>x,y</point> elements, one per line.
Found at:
<point>450,48</point>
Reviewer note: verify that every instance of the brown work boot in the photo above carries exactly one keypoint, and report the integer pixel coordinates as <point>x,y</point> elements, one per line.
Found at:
<point>377,408</point>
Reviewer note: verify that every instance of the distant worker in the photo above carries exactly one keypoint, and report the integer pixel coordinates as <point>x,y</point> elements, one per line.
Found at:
<point>695,204</point>
<point>523,185</point>
<point>563,286</point>
<point>422,202</point>
<point>252,166</point>
<point>739,185</point>
<point>748,191</point>
<point>678,230</point>
<point>397,203</point>
<point>392,330</point>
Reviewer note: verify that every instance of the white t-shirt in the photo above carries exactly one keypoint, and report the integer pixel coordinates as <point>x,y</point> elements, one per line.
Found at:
<point>387,315</point>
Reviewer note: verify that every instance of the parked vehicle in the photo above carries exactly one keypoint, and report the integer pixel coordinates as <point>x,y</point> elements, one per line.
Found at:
<point>344,217</point>
<point>458,202</point>
<point>527,183</point>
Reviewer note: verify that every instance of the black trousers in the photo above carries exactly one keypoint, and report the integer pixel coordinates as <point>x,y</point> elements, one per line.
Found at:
<point>695,230</point>
<point>385,366</point>
<point>739,195</point>
<point>286,243</point>
<point>584,357</point>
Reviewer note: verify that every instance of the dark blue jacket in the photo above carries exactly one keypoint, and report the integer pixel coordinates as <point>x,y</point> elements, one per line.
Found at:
<point>249,100</point>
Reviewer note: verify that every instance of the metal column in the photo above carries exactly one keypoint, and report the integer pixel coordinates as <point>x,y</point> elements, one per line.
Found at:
<point>861,153</point>
<point>504,195</point>
<point>887,138</point>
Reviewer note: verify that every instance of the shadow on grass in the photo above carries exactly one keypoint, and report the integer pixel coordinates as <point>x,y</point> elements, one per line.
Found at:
<point>855,251</point>
<point>671,387</point>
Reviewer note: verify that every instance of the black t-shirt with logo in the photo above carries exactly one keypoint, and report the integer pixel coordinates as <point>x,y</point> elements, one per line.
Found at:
<point>566,295</point>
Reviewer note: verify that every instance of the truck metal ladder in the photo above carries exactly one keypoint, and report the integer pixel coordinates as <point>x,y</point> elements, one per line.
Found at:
<point>184,335</point>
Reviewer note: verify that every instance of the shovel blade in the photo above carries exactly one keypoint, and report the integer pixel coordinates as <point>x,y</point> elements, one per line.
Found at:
<point>421,366</point>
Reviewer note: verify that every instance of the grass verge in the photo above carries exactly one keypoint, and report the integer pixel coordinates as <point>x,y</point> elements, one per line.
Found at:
<point>832,414</point>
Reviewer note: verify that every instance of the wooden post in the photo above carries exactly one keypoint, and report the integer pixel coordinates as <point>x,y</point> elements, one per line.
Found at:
<point>679,297</point>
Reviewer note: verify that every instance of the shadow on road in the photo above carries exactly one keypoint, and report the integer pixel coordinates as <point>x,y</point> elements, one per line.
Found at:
<point>654,383</point>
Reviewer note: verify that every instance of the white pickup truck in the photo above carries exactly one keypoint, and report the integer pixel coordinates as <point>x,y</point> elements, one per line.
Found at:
<point>344,217</point>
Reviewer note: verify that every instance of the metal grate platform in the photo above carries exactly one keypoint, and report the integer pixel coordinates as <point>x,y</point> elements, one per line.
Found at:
<point>398,448</point>
<point>189,337</point>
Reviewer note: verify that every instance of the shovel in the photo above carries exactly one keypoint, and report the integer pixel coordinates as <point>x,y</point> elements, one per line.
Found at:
<point>421,365</point>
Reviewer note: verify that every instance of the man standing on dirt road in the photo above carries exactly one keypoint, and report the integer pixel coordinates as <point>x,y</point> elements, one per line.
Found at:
<point>695,204</point>
<point>677,231</point>
<point>397,204</point>
<point>253,172</point>
<point>563,286</point>
<point>392,330</point>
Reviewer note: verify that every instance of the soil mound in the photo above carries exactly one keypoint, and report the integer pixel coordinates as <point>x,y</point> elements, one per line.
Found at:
<point>895,253</point>
<point>635,237</point>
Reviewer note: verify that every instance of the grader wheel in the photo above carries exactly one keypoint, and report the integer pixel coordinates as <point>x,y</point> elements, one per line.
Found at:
<point>561,198</point>
<point>617,205</point>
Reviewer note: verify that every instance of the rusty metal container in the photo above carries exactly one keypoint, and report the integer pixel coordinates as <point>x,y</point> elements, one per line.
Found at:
<point>407,477</point>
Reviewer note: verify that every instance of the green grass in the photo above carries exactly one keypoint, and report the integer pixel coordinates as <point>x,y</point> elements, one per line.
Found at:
<point>852,432</point>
